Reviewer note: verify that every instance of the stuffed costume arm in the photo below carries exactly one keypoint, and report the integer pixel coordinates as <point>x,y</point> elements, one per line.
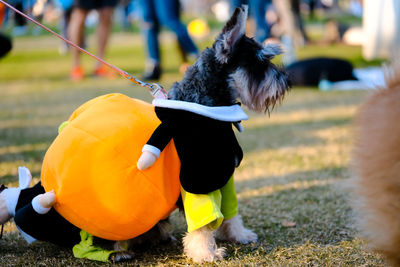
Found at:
<point>157,142</point>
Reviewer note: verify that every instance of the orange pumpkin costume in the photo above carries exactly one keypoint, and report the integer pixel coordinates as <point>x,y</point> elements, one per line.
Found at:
<point>91,166</point>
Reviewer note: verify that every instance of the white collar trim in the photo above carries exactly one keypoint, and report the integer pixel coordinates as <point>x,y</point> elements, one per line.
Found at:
<point>232,113</point>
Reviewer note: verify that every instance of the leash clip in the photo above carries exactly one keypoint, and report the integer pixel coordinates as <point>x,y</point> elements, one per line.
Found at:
<point>157,91</point>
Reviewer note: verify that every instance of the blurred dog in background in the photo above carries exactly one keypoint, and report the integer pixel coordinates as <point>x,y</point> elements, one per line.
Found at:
<point>376,165</point>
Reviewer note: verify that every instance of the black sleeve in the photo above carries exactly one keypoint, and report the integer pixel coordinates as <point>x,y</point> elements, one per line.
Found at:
<point>237,150</point>
<point>161,136</point>
<point>26,195</point>
<point>50,227</point>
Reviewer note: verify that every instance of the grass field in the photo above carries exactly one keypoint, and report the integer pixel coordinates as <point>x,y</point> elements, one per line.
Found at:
<point>291,183</point>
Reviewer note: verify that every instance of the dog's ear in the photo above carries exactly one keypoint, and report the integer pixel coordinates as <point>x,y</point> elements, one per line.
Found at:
<point>269,51</point>
<point>234,29</point>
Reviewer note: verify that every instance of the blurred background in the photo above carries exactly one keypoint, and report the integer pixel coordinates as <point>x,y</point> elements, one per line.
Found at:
<point>363,33</point>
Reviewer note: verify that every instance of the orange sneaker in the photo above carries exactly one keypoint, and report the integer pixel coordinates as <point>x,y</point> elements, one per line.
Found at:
<point>77,74</point>
<point>104,72</point>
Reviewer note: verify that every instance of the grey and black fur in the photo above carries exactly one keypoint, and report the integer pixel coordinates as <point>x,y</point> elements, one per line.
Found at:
<point>236,66</point>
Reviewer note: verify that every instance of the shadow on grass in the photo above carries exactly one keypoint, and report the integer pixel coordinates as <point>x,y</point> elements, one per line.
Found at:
<point>292,134</point>
<point>320,213</point>
<point>303,176</point>
<point>315,99</point>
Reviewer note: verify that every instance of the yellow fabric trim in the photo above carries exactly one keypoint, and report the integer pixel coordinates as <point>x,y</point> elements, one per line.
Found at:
<point>201,209</point>
<point>211,208</point>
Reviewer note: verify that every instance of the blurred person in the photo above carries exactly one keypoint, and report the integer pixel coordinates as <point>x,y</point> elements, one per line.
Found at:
<point>127,7</point>
<point>81,9</point>
<point>154,14</point>
<point>5,45</point>
<point>20,27</point>
<point>5,42</point>
<point>3,11</point>
<point>291,28</point>
<point>258,10</point>
<point>66,8</point>
<point>295,10</point>
<point>311,6</point>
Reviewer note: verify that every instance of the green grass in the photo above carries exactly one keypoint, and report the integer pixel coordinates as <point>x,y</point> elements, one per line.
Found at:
<point>290,184</point>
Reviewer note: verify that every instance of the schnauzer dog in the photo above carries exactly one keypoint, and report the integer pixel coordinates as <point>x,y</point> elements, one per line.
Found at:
<point>235,67</point>
<point>376,166</point>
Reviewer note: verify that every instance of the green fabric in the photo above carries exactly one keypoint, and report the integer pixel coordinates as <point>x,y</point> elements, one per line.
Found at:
<point>229,204</point>
<point>211,208</point>
<point>62,126</point>
<point>86,250</point>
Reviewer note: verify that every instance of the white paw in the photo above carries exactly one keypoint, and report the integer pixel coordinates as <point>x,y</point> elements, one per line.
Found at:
<point>245,236</point>
<point>206,254</point>
<point>200,246</point>
<point>233,230</point>
<point>219,253</point>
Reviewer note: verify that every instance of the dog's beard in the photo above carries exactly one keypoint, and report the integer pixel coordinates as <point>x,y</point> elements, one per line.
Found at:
<point>259,95</point>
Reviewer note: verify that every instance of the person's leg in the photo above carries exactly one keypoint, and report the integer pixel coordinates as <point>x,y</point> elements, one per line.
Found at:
<point>237,3</point>
<point>168,15</point>
<point>150,29</point>
<point>103,36</point>
<point>258,8</point>
<point>64,22</point>
<point>76,29</point>
<point>104,29</point>
<point>20,22</point>
<point>19,19</point>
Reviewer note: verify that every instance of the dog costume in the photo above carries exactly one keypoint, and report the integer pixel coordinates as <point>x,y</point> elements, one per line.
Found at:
<point>208,151</point>
<point>35,222</point>
<point>91,166</point>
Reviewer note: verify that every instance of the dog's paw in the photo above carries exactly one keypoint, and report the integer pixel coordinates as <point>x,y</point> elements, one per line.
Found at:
<point>245,236</point>
<point>204,254</point>
<point>233,230</point>
<point>219,253</point>
<point>200,246</point>
<point>122,256</point>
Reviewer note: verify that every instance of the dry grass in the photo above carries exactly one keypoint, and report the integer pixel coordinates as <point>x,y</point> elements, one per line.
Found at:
<point>290,184</point>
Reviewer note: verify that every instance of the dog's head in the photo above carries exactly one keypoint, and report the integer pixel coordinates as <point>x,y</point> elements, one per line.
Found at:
<point>258,82</point>
<point>236,66</point>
